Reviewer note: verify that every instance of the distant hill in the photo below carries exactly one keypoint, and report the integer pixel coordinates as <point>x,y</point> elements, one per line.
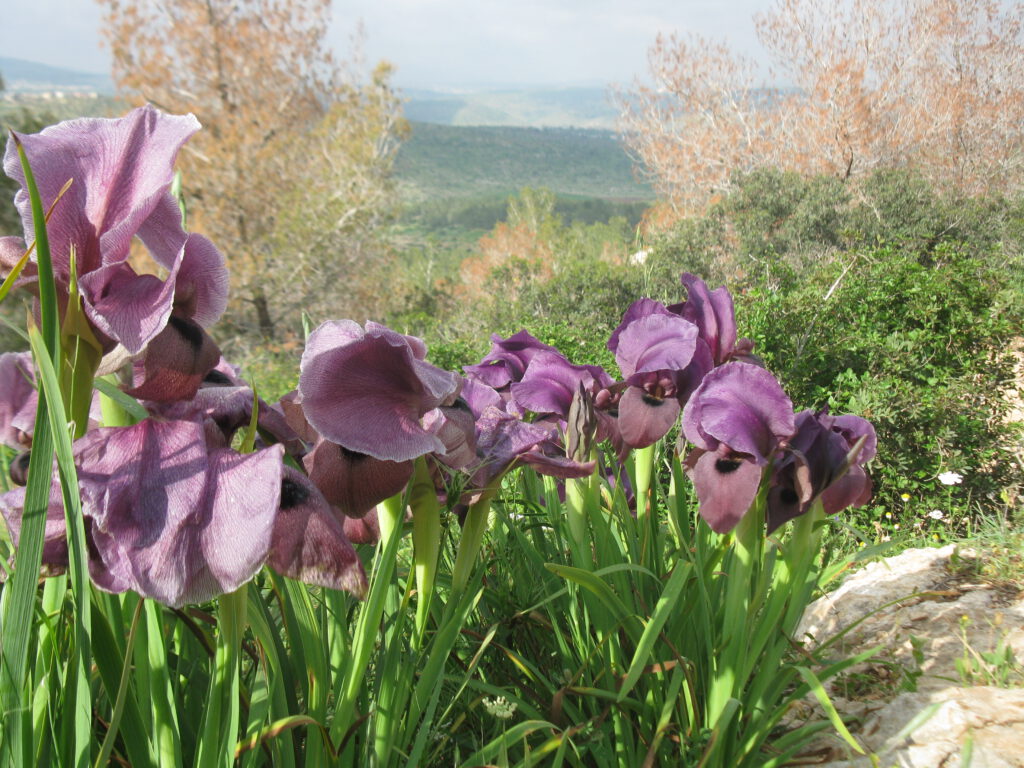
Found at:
<point>444,161</point>
<point>22,76</point>
<point>534,107</point>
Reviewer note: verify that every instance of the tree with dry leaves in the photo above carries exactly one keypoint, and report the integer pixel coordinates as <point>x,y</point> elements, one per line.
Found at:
<point>290,175</point>
<point>937,85</point>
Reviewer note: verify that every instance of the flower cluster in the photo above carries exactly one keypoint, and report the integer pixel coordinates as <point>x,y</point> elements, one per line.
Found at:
<point>174,512</point>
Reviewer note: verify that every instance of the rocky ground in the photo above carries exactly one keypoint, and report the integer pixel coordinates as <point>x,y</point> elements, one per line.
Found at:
<point>946,688</point>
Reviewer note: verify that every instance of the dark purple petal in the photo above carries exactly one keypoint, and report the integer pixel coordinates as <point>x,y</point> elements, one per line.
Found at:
<point>479,396</point>
<point>501,439</point>
<point>556,464</point>
<point>550,381</point>
<point>362,530</point>
<point>19,399</point>
<point>726,486</point>
<point>818,464</point>
<point>172,519</point>
<point>227,401</point>
<point>355,482</point>
<point>644,418</point>
<point>367,390</point>
<point>201,282</point>
<point>508,359</point>
<point>852,428</point>
<point>712,312</point>
<point>309,543</point>
<point>175,363</point>
<point>742,406</point>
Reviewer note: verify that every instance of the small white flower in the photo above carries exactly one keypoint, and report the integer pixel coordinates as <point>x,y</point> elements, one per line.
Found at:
<point>951,478</point>
<point>500,707</point>
<point>936,514</point>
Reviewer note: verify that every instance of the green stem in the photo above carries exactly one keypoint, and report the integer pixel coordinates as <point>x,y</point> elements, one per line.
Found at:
<point>472,538</point>
<point>426,540</point>
<point>740,574</point>
<point>220,724</point>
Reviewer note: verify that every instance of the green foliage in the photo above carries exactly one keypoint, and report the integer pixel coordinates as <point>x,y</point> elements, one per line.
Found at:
<point>919,349</point>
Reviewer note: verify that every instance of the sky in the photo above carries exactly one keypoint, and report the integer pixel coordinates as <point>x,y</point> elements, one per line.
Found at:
<point>443,44</point>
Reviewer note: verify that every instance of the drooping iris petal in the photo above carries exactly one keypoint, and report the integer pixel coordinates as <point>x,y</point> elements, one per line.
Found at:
<point>712,312</point>
<point>550,381</point>
<point>309,543</point>
<point>742,406</point>
<point>555,463</point>
<point>726,486</point>
<point>644,418</point>
<point>501,438</point>
<point>125,306</point>
<point>508,359</point>
<point>354,482</point>
<point>367,390</point>
<point>175,362</point>
<point>172,519</point>
<point>19,399</point>
<point>362,530</point>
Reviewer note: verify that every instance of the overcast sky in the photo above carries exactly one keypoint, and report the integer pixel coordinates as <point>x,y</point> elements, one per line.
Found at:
<point>443,43</point>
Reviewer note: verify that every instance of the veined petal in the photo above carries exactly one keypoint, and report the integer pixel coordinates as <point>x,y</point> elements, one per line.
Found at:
<point>121,170</point>
<point>367,390</point>
<point>726,487</point>
<point>657,342</point>
<point>171,519</point>
<point>175,363</point>
<point>644,419</point>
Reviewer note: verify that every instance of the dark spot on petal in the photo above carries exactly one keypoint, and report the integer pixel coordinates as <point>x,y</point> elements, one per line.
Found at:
<point>352,456</point>
<point>461,405</point>
<point>788,496</point>
<point>19,468</point>
<point>217,379</point>
<point>292,494</point>
<point>188,330</point>
<point>725,466</point>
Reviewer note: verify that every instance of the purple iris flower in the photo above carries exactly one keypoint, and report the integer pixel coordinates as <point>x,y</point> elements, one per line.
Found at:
<point>174,515</point>
<point>818,464</point>
<point>122,171</point>
<point>508,359</point>
<point>738,418</point>
<point>663,360</point>
<point>376,405</point>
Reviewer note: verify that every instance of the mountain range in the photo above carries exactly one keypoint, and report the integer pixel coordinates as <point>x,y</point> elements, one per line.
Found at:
<point>523,107</point>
